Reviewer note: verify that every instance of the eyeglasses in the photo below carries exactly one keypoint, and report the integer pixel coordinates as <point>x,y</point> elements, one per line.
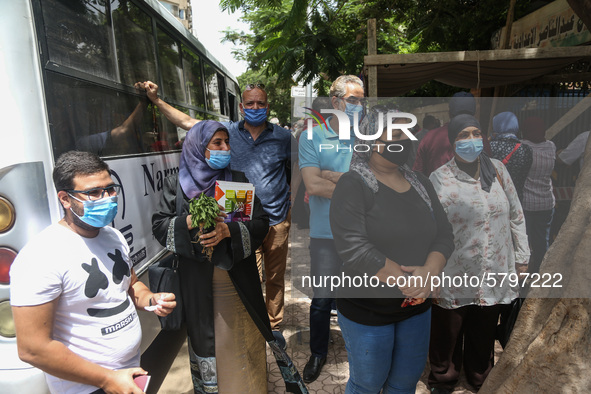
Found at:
<point>355,100</point>
<point>98,192</point>
<point>255,85</point>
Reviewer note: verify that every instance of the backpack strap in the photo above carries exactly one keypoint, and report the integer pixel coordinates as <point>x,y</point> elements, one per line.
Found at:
<point>499,179</point>
<point>508,157</point>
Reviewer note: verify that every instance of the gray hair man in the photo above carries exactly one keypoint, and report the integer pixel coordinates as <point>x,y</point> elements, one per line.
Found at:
<point>321,170</point>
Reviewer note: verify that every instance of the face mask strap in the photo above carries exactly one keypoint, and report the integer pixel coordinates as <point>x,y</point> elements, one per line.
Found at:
<point>78,216</point>
<point>77,199</point>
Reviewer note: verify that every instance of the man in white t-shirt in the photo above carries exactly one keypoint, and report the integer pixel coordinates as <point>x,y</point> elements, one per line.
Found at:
<point>74,291</point>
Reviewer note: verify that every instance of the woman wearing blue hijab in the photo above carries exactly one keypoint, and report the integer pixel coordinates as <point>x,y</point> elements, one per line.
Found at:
<point>506,147</point>
<point>224,309</point>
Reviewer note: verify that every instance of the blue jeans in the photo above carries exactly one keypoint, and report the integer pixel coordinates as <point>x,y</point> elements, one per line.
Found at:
<point>390,357</point>
<point>324,260</point>
<point>538,225</point>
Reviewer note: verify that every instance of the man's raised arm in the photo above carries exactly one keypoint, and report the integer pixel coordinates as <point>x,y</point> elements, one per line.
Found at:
<point>178,118</point>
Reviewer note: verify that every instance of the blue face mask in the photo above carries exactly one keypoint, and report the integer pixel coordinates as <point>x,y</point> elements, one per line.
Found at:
<point>469,149</point>
<point>98,213</point>
<point>351,110</point>
<point>255,117</point>
<point>218,159</point>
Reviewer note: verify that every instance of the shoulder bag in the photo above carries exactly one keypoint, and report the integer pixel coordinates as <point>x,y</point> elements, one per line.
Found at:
<point>164,278</point>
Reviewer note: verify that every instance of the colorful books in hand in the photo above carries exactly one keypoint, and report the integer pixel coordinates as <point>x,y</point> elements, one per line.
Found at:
<point>237,198</point>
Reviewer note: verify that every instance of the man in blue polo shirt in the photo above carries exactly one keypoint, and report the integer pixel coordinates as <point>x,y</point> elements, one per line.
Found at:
<point>322,160</point>
<point>263,151</point>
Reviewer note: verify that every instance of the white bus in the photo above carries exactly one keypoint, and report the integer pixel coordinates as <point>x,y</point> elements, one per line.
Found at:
<point>67,75</point>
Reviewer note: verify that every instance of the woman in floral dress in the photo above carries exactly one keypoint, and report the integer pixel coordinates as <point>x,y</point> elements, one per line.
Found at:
<point>491,248</point>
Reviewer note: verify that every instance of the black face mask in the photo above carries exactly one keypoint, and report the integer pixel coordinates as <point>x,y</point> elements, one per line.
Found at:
<point>397,156</point>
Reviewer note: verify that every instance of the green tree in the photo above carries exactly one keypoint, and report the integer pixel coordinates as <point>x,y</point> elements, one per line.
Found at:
<point>303,41</point>
<point>307,40</point>
<point>455,25</point>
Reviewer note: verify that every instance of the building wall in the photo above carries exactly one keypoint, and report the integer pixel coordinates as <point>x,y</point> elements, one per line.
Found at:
<point>181,9</point>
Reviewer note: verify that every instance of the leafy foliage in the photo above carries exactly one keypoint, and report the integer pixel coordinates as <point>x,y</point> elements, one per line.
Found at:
<point>455,25</point>
<point>301,40</point>
<point>318,40</point>
<point>204,210</point>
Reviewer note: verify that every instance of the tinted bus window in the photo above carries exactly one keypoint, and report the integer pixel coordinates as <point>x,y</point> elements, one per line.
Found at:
<point>171,70</point>
<point>193,80</point>
<point>136,53</point>
<point>233,93</point>
<point>211,87</point>
<point>222,93</point>
<point>78,35</point>
<point>170,136</point>
<point>232,104</point>
<point>88,117</point>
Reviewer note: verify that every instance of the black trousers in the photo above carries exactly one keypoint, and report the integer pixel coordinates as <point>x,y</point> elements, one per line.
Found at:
<point>462,336</point>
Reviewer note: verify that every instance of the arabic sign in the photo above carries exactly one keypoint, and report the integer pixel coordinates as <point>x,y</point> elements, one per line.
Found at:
<point>555,25</point>
<point>298,91</point>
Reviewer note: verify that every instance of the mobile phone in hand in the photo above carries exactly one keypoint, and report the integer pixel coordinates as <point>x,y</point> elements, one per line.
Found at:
<point>142,382</point>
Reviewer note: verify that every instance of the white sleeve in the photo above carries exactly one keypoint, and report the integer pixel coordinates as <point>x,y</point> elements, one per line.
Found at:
<point>34,279</point>
<point>575,149</point>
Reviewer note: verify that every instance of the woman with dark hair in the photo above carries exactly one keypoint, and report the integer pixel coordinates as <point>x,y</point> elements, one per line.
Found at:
<point>481,203</point>
<point>387,223</point>
<point>227,321</point>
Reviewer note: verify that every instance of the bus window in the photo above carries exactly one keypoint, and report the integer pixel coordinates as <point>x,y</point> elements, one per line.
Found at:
<point>85,116</point>
<point>222,94</point>
<point>233,106</point>
<point>193,80</point>
<point>211,85</point>
<point>234,98</point>
<point>168,136</point>
<point>170,67</point>
<point>78,36</point>
<point>136,53</point>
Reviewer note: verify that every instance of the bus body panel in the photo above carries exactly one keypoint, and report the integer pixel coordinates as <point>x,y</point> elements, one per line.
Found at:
<point>19,381</point>
<point>142,180</point>
<point>41,97</point>
<point>25,131</point>
<point>25,164</point>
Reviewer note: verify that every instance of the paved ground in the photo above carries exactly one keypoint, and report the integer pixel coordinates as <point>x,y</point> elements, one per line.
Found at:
<point>335,373</point>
